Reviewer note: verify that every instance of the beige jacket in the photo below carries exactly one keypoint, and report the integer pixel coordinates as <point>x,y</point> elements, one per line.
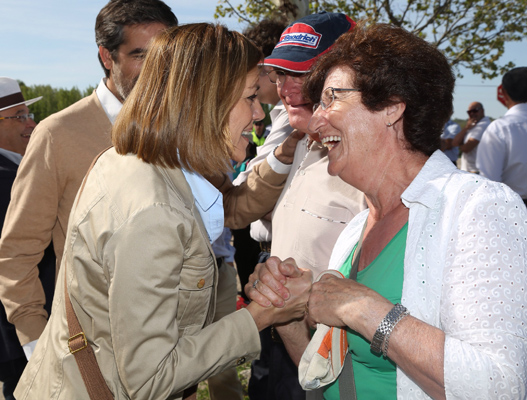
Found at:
<point>60,152</point>
<point>142,277</point>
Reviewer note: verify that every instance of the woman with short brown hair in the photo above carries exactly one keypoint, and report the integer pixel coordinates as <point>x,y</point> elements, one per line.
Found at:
<point>138,266</point>
<point>202,87</point>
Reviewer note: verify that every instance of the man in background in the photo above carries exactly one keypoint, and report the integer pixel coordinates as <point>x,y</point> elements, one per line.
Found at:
<point>450,130</point>
<point>469,137</point>
<point>59,155</point>
<point>314,207</point>
<point>258,131</point>
<point>16,126</point>
<point>502,154</point>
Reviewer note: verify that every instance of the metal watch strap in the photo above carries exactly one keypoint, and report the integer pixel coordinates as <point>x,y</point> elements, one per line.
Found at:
<point>387,338</point>
<point>386,326</point>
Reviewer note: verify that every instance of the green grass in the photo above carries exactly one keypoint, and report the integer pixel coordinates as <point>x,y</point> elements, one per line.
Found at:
<point>244,372</point>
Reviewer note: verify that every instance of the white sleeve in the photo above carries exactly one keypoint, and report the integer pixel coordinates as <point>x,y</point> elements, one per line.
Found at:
<point>261,230</point>
<point>490,159</point>
<point>478,131</point>
<point>279,132</point>
<point>484,295</point>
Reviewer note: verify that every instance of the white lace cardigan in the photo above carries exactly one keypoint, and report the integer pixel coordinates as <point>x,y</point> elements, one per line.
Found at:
<point>465,271</point>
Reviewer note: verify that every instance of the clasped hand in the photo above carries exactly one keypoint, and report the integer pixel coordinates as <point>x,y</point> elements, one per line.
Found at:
<point>332,301</point>
<point>288,291</point>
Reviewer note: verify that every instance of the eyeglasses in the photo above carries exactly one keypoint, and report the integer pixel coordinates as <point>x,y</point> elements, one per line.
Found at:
<point>328,97</point>
<point>474,110</point>
<point>277,76</point>
<point>22,117</point>
<point>258,123</point>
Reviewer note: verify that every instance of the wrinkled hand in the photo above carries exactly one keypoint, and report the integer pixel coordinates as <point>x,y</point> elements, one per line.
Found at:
<point>292,284</point>
<point>286,151</point>
<point>295,307</point>
<point>267,284</point>
<point>344,302</point>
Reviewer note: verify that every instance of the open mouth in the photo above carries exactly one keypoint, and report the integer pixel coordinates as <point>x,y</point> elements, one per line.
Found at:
<point>330,141</point>
<point>304,105</point>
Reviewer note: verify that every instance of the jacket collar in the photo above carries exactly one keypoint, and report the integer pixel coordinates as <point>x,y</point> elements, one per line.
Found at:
<point>176,180</point>
<point>427,186</point>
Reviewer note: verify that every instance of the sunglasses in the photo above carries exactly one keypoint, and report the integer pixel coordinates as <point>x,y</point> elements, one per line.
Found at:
<point>474,110</point>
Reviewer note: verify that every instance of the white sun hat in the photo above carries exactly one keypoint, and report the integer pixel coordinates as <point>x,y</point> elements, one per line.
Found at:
<point>11,95</point>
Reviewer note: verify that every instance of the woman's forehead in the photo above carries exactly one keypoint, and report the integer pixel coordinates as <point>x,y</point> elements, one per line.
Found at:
<point>340,75</point>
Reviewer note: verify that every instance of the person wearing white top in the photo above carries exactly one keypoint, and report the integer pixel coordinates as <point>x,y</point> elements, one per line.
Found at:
<point>469,137</point>
<point>502,154</point>
<point>457,260</point>
<point>436,306</point>
<point>450,130</point>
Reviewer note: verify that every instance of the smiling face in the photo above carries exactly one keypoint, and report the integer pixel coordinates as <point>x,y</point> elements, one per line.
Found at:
<point>298,108</point>
<point>125,65</point>
<point>351,132</point>
<point>15,134</point>
<point>241,117</point>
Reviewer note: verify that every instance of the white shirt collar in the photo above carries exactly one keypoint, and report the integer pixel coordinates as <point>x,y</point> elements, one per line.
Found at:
<point>209,202</point>
<point>110,104</point>
<point>520,108</point>
<point>11,155</point>
<point>429,182</point>
<point>277,109</point>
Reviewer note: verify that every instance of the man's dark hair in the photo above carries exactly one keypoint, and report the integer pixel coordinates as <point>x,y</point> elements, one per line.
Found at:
<point>515,84</point>
<point>114,16</point>
<point>266,33</point>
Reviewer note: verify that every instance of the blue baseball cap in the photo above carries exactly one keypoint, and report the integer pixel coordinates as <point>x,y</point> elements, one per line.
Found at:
<point>306,39</point>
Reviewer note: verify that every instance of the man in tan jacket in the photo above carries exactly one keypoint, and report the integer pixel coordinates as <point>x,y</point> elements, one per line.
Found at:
<point>61,149</point>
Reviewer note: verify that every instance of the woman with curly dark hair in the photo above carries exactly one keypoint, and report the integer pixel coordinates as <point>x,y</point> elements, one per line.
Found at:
<point>437,304</point>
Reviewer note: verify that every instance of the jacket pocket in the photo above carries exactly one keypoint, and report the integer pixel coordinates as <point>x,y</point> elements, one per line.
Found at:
<point>196,291</point>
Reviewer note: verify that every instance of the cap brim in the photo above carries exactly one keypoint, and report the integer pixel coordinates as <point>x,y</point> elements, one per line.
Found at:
<point>27,103</point>
<point>282,57</point>
<point>301,68</point>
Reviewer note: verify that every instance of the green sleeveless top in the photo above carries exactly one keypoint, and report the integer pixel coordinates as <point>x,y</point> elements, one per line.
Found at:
<point>375,376</point>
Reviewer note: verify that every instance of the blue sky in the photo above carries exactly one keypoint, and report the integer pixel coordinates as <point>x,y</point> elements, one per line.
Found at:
<point>52,42</point>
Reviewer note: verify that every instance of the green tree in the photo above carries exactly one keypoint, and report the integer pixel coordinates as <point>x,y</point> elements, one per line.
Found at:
<point>53,99</point>
<point>471,33</point>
